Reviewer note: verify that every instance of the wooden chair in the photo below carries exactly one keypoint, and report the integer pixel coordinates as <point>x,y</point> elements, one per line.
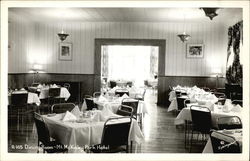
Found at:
<point>44,140</point>
<point>114,136</point>
<point>62,107</point>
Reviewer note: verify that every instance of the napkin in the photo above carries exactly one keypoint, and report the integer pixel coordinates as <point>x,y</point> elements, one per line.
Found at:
<point>236,108</point>
<point>209,105</point>
<point>39,86</point>
<point>102,99</point>
<point>69,117</point>
<point>76,111</point>
<point>54,86</point>
<point>125,96</point>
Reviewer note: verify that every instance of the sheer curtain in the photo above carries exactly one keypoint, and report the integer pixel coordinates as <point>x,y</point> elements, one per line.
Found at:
<point>130,63</point>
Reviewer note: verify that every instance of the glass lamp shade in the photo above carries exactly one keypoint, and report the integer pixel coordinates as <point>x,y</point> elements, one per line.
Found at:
<point>184,37</point>
<point>62,36</point>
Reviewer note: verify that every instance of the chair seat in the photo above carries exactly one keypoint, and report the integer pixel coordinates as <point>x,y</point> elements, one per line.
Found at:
<point>106,149</point>
<point>54,147</point>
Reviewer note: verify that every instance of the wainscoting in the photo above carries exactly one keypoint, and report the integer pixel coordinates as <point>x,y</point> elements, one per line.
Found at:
<point>87,82</point>
<point>165,81</point>
<point>83,81</point>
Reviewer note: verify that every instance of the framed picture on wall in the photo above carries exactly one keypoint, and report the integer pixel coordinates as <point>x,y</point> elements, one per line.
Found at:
<point>65,51</point>
<point>195,50</point>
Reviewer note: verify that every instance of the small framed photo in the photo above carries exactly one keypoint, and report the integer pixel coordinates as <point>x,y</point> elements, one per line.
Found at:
<point>65,51</point>
<point>195,50</point>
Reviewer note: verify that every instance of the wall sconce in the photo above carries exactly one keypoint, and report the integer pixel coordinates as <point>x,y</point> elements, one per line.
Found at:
<point>35,69</point>
<point>184,37</point>
<point>210,12</point>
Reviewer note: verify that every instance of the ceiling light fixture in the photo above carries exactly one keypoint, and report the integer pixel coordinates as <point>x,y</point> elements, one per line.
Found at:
<point>62,36</point>
<point>184,37</point>
<point>210,12</point>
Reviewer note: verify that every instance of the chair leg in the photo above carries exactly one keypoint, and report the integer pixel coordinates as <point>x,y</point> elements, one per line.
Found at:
<point>131,147</point>
<point>185,134</point>
<point>191,142</point>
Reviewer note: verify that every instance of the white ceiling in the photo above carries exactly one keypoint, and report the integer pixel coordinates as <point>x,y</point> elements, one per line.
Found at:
<point>123,14</point>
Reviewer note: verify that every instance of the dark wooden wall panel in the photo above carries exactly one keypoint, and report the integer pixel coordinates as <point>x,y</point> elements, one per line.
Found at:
<point>86,81</point>
<point>166,81</point>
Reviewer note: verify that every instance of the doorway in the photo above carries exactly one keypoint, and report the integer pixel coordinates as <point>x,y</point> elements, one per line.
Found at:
<point>159,44</point>
<point>128,63</point>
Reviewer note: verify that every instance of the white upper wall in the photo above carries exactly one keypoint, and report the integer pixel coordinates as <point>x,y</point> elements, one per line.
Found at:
<point>38,43</point>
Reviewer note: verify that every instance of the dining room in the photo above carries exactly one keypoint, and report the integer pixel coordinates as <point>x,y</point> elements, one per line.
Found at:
<point>137,80</point>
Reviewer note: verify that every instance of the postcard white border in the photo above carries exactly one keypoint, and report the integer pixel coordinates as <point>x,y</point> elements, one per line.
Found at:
<point>167,156</point>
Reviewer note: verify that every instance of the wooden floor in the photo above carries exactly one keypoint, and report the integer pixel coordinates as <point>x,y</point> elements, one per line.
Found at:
<point>161,135</point>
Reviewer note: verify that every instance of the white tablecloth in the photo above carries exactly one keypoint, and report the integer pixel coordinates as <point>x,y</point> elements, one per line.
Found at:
<point>44,92</point>
<point>79,135</point>
<point>33,98</point>
<point>132,91</point>
<point>235,133</point>
<point>217,112</point>
<point>193,95</point>
<point>113,105</point>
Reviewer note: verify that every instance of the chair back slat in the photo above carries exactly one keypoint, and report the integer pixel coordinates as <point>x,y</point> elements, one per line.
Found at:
<point>90,103</point>
<point>237,102</point>
<point>180,103</point>
<point>121,92</point>
<point>112,84</point>
<point>54,92</point>
<point>201,119</point>
<point>125,111</point>
<point>226,145</point>
<point>116,134</point>
<point>66,85</point>
<point>96,94</point>
<point>19,99</point>
<point>229,122</point>
<point>62,107</point>
<point>132,103</point>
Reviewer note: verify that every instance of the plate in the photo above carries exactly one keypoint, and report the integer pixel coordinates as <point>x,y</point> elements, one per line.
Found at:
<point>228,132</point>
<point>81,121</point>
<point>51,114</point>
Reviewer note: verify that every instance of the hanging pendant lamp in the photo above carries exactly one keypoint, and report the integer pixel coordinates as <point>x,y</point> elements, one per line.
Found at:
<point>62,36</point>
<point>210,12</point>
<point>184,37</point>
